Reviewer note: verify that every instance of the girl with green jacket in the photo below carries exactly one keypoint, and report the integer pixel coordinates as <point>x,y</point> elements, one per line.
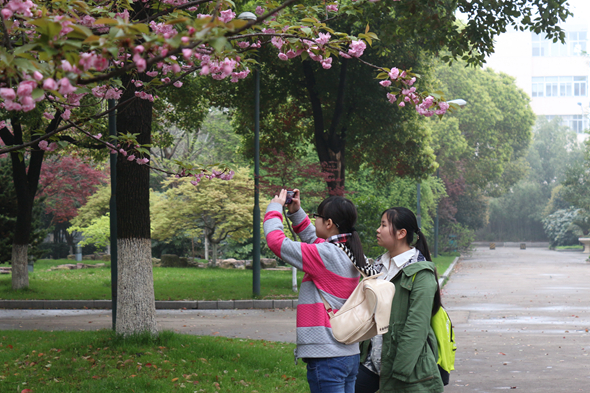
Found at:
<point>404,359</point>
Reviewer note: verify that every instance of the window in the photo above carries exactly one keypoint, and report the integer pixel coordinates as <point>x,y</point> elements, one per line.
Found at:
<point>575,45</point>
<point>577,123</point>
<point>560,86</point>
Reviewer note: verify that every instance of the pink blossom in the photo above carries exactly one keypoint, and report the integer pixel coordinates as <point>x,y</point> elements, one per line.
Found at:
<point>277,42</point>
<point>98,136</point>
<point>28,103</point>
<point>66,66</point>
<point>140,63</point>
<point>6,13</point>
<point>144,96</point>
<point>332,7</point>
<point>7,94</point>
<point>402,104</point>
<point>175,68</point>
<point>391,97</point>
<point>167,31</point>
<point>48,116</point>
<point>291,54</point>
<point>26,88</point>
<point>65,86</point>
<point>152,73</point>
<point>227,15</point>
<point>187,53</point>
<point>142,161</point>
<point>138,49</point>
<point>21,7</point>
<point>393,74</point>
<point>357,48</point>
<point>283,56</point>
<point>385,83</point>
<point>323,39</point>
<point>327,63</point>
<point>122,151</point>
<point>346,56</point>
<point>131,157</point>
<point>165,80</point>
<point>259,10</point>
<point>12,106</point>
<point>138,83</point>
<point>43,145</point>
<point>66,115</point>
<point>37,76</point>
<point>177,84</point>
<point>243,44</point>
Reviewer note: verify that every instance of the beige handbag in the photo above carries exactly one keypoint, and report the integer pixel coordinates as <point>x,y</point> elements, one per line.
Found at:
<point>366,312</point>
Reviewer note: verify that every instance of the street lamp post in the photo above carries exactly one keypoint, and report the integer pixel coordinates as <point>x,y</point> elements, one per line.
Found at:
<point>256,211</point>
<point>113,215</point>
<point>461,103</point>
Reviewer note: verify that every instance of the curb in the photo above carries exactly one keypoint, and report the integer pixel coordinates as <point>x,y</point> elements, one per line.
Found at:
<point>447,273</point>
<point>160,304</point>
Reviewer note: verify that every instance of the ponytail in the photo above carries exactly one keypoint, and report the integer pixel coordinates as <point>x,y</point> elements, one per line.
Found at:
<point>422,246</point>
<point>354,244</point>
<point>403,218</point>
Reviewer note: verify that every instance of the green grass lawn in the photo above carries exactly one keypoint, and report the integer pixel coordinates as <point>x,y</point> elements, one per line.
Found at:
<point>169,283</point>
<point>575,247</point>
<point>100,362</point>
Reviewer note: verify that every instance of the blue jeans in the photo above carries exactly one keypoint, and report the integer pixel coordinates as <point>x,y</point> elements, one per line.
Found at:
<point>332,375</point>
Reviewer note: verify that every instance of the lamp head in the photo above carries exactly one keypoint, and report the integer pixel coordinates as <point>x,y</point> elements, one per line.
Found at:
<point>247,16</point>
<point>461,103</point>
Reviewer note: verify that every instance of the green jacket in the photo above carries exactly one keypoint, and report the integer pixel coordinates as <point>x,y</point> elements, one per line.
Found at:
<point>408,364</point>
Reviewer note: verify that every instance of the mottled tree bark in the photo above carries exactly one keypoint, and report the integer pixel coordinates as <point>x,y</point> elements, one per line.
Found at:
<point>136,307</point>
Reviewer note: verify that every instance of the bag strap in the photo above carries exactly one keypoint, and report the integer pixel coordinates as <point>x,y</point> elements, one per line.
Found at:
<point>341,246</point>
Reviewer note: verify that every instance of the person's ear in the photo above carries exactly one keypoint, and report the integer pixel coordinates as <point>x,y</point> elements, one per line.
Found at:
<point>329,223</point>
<point>402,233</point>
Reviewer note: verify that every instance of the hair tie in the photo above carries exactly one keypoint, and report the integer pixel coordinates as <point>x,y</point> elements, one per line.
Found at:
<point>418,230</point>
<point>352,229</point>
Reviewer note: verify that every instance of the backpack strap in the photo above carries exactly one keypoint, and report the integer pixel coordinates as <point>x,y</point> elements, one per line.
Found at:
<point>366,271</point>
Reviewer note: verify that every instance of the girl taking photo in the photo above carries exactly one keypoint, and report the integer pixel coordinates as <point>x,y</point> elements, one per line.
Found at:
<point>404,359</point>
<point>331,366</point>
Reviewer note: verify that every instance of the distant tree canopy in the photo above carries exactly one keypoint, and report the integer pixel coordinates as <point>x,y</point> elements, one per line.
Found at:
<point>540,207</point>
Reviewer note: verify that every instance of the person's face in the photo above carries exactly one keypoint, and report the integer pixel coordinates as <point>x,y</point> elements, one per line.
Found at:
<point>324,228</point>
<point>387,236</point>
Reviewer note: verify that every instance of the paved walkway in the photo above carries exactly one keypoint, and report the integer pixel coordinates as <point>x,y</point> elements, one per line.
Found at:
<point>521,320</point>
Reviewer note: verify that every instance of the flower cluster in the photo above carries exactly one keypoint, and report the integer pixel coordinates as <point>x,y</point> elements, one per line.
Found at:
<point>215,174</point>
<point>426,107</point>
<point>18,7</point>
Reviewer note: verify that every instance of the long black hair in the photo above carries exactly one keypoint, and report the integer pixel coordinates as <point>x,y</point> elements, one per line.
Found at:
<point>343,213</point>
<point>403,218</point>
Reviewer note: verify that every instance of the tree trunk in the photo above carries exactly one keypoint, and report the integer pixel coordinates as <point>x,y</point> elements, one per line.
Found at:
<point>207,248</point>
<point>213,262</point>
<point>25,184</point>
<point>136,307</point>
<point>330,143</point>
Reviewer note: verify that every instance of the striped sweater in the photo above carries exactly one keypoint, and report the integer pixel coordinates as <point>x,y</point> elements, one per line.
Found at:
<point>327,269</point>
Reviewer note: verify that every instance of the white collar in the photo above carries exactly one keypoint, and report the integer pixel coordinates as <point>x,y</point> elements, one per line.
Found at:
<point>402,258</point>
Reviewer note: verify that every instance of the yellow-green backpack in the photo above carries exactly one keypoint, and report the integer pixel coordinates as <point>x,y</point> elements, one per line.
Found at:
<point>445,337</point>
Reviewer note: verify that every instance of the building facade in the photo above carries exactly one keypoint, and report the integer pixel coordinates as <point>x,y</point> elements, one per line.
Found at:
<point>554,75</point>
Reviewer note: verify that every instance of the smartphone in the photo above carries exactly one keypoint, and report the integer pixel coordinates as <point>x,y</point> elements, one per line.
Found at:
<point>290,195</point>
